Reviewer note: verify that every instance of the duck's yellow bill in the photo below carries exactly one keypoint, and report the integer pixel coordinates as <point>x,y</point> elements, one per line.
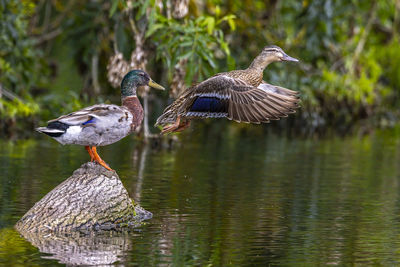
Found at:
<point>155,85</point>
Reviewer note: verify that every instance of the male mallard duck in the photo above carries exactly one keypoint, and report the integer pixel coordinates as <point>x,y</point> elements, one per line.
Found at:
<point>239,95</point>
<point>103,124</point>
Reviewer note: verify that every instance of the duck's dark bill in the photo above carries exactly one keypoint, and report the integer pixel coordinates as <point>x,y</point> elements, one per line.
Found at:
<point>288,58</point>
<point>155,85</point>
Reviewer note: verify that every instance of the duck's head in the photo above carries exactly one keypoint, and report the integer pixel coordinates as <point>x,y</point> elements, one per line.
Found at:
<point>134,79</point>
<point>269,54</point>
<point>275,53</point>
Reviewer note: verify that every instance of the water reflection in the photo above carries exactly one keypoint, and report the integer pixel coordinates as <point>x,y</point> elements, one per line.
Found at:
<point>141,160</point>
<point>99,249</point>
<point>239,198</point>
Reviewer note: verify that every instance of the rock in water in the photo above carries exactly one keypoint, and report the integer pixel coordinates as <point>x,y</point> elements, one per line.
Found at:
<point>93,198</point>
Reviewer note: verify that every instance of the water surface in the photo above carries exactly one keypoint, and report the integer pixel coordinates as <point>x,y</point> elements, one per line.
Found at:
<point>224,196</point>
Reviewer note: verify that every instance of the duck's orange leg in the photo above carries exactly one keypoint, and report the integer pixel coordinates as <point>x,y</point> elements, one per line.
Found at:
<point>174,127</point>
<point>99,160</point>
<point>182,126</point>
<point>89,150</point>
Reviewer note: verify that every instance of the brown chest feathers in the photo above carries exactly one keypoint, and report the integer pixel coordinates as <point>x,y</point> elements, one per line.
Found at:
<point>136,109</point>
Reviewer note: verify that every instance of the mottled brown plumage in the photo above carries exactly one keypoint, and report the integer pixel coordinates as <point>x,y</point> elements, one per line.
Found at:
<point>239,95</point>
<point>250,76</point>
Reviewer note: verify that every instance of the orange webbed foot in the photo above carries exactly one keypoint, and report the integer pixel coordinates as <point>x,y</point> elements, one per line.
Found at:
<point>99,160</point>
<point>177,126</point>
<point>169,129</point>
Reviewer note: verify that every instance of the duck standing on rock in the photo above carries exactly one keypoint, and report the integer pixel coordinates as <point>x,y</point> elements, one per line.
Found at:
<point>103,124</point>
<point>239,95</point>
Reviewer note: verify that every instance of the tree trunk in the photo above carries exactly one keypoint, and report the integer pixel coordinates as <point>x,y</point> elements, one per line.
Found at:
<point>95,74</point>
<point>91,199</point>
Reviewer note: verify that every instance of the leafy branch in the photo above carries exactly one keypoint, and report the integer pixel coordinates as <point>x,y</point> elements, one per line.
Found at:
<point>198,41</point>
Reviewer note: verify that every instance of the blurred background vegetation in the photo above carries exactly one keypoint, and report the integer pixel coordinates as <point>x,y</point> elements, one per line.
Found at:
<point>57,56</point>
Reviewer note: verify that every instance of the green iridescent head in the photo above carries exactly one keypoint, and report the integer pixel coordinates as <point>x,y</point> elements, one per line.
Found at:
<point>134,79</point>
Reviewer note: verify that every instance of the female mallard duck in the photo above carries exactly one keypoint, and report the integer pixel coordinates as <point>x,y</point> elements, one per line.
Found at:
<point>103,124</point>
<point>239,95</point>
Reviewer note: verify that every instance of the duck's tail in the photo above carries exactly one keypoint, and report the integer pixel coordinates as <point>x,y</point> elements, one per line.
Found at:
<point>167,117</point>
<point>54,129</point>
<point>171,112</point>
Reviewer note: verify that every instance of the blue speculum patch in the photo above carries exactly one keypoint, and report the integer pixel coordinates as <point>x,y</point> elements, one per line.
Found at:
<point>89,121</point>
<point>208,104</point>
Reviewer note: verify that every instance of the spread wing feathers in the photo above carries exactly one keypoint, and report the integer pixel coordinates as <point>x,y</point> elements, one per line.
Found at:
<point>277,89</point>
<point>92,114</point>
<point>224,96</point>
<point>259,106</point>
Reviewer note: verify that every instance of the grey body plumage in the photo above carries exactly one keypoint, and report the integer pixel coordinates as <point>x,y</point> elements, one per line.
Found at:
<point>97,125</point>
<point>102,124</point>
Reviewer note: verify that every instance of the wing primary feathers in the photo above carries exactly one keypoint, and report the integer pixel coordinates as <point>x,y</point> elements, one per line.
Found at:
<point>243,114</point>
<point>252,116</point>
<point>281,103</point>
<point>236,112</point>
<point>259,114</point>
<point>264,106</point>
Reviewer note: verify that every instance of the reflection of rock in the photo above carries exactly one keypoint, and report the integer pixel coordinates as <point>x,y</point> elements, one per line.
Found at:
<point>92,198</point>
<point>97,248</point>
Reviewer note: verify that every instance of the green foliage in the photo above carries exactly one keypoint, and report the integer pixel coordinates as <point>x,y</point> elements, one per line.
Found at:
<point>16,108</point>
<point>20,64</point>
<point>362,89</point>
<point>198,41</point>
<point>61,104</point>
<point>389,58</point>
<point>348,50</point>
<point>88,31</point>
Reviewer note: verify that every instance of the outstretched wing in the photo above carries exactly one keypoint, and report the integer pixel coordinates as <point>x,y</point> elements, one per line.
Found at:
<point>224,96</point>
<point>262,104</point>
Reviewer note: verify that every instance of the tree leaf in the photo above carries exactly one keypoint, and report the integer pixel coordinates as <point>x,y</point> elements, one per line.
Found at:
<point>114,6</point>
